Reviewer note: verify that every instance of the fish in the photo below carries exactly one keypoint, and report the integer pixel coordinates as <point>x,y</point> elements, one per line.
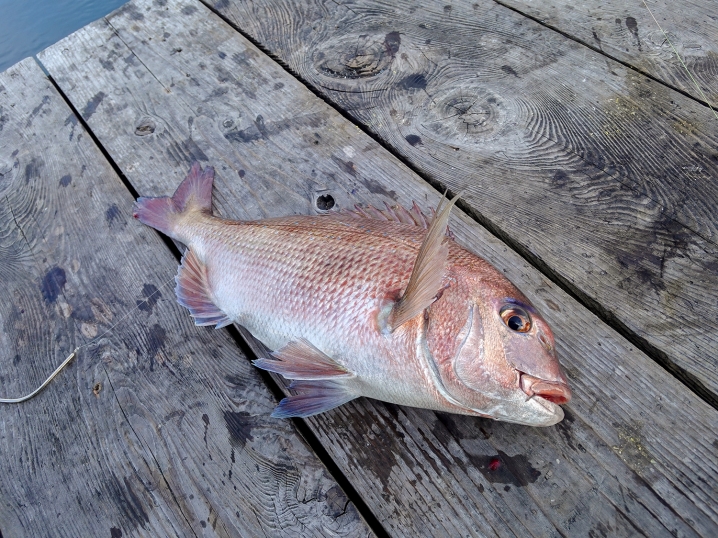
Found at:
<point>383,304</point>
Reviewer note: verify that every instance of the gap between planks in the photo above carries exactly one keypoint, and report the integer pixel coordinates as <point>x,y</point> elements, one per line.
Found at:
<point>300,424</point>
<point>658,356</point>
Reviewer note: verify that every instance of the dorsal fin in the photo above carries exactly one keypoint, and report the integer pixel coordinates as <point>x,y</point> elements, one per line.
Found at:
<point>396,213</point>
<point>425,280</point>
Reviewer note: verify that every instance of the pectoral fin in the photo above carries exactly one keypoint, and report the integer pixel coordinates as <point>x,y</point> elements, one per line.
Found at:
<point>425,281</point>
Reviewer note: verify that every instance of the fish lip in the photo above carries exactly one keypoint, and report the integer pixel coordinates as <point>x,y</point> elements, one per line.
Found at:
<point>555,392</point>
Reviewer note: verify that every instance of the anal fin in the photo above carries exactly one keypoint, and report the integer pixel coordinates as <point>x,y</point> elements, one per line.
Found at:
<point>194,294</point>
<point>313,397</point>
<point>299,359</point>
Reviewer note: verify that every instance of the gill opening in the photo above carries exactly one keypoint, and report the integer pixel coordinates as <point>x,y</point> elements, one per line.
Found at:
<point>435,375</point>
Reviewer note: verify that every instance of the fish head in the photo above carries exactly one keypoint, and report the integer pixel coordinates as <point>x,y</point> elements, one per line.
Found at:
<point>502,361</point>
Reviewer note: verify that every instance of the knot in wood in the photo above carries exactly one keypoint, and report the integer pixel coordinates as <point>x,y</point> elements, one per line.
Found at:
<point>325,202</point>
<point>354,57</point>
<point>145,126</point>
<point>465,115</point>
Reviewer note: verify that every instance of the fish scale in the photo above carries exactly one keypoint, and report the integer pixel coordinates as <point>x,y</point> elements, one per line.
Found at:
<point>375,303</point>
<point>324,277</point>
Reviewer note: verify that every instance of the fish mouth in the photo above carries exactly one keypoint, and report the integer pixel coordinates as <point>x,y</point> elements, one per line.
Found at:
<point>553,391</point>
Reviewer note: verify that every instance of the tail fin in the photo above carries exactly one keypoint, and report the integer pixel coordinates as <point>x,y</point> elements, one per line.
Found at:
<point>193,194</point>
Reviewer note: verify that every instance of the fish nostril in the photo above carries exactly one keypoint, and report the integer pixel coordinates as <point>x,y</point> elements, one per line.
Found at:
<point>545,341</point>
<point>325,202</point>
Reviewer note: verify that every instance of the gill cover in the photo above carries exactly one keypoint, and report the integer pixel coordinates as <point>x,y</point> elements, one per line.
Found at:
<point>455,349</point>
<point>477,365</point>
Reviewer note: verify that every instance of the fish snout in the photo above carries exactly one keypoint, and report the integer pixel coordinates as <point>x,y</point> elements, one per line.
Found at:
<point>553,391</point>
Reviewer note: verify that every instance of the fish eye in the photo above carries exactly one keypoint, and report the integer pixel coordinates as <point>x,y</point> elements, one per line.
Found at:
<point>515,318</point>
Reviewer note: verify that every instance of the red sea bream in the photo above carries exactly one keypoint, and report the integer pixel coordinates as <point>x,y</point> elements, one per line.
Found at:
<point>369,303</point>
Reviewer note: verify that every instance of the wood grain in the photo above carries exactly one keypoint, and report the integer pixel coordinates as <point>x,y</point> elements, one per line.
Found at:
<point>601,176</point>
<point>156,428</point>
<point>627,31</point>
<point>636,454</point>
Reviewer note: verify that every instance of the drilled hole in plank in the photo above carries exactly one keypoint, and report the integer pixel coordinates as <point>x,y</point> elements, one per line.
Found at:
<point>325,202</point>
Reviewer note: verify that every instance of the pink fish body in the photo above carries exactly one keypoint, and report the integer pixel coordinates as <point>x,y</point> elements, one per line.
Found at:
<point>365,304</point>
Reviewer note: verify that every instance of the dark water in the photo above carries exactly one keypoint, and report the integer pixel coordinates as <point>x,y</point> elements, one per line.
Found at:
<point>27,27</point>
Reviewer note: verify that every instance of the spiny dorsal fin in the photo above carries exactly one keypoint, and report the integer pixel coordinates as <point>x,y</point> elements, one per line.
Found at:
<point>396,213</point>
<point>425,280</point>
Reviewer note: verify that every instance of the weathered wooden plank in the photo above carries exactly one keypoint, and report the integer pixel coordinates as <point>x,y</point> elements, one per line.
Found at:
<point>157,428</point>
<point>161,85</point>
<point>626,31</point>
<point>604,177</point>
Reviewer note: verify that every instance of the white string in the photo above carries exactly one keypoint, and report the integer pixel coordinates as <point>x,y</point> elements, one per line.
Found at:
<point>74,352</point>
<point>695,82</point>
<point>47,381</point>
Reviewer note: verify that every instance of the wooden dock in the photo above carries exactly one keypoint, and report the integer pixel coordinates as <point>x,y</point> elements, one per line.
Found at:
<point>589,170</point>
